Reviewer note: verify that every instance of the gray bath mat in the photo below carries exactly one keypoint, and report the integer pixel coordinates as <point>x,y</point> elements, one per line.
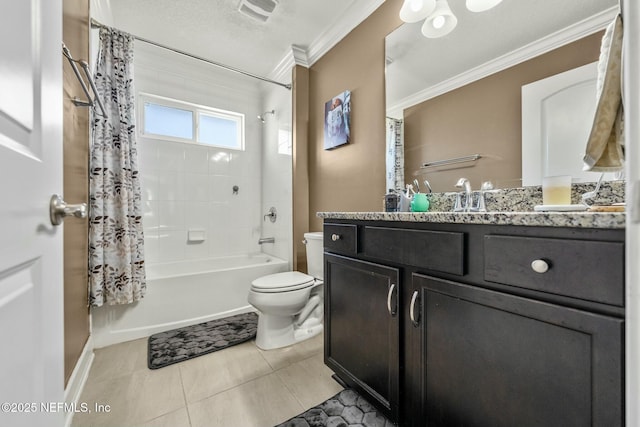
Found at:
<point>345,409</point>
<point>177,345</point>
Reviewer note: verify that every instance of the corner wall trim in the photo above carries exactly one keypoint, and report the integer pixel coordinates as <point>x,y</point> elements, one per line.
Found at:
<point>78,379</point>
<point>553,41</point>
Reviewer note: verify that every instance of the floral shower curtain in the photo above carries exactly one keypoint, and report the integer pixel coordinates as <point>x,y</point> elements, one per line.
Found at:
<point>395,155</point>
<point>116,251</point>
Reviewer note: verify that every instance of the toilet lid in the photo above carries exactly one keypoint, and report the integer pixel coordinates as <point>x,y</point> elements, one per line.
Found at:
<point>282,282</point>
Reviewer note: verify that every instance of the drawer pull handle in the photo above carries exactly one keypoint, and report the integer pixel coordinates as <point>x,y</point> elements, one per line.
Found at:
<point>540,266</point>
<point>335,237</point>
<point>389,296</point>
<point>412,314</point>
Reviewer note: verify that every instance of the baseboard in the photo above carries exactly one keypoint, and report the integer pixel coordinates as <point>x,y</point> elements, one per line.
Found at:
<point>78,379</point>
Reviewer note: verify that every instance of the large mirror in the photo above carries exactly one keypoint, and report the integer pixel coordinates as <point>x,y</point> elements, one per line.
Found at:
<point>459,96</point>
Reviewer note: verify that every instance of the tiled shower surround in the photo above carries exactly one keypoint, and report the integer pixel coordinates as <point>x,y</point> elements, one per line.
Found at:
<point>189,187</point>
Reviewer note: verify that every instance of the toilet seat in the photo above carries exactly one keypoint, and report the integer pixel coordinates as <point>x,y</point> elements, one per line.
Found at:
<point>282,282</point>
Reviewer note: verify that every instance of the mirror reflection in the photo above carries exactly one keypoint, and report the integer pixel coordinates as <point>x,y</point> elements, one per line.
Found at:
<point>459,95</point>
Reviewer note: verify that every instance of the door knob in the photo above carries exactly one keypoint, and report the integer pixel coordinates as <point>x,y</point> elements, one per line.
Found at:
<point>58,209</point>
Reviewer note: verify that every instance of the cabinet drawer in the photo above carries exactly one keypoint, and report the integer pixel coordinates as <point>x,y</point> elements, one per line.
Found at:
<point>434,250</point>
<point>587,270</point>
<point>340,238</point>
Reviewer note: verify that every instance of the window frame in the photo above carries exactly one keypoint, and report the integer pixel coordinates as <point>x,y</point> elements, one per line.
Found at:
<point>196,110</point>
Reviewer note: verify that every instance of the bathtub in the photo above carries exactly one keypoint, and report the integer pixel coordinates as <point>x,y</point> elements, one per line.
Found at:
<point>184,293</point>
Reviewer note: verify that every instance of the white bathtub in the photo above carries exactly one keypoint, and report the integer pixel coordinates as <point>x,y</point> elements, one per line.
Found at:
<point>184,293</point>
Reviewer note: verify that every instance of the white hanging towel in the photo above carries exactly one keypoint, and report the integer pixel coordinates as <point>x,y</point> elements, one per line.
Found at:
<point>605,147</point>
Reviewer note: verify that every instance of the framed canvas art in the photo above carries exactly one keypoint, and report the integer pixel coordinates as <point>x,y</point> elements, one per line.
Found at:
<point>337,120</point>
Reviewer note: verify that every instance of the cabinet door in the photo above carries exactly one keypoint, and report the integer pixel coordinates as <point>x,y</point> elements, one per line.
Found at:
<point>362,328</point>
<point>489,359</point>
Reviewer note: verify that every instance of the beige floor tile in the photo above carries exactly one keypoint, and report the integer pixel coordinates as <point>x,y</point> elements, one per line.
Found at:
<point>133,399</point>
<point>179,418</point>
<point>263,402</point>
<point>310,381</point>
<point>282,357</point>
<point>219,371</point>
<point>118,360</point>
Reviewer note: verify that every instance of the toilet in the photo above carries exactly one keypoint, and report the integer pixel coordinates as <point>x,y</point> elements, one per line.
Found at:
<point>290,304</point>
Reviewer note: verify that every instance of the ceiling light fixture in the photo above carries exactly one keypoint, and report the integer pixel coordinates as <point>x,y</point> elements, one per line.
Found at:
<point>441,22</point>
<point>416,10</point>
<point>481,5</point>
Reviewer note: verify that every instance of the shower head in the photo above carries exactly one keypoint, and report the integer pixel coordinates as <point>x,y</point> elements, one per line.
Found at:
<point>262,117</point>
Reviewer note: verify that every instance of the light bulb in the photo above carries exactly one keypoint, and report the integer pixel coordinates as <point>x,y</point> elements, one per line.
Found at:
<point>438,22</point>
<point>416,5</point>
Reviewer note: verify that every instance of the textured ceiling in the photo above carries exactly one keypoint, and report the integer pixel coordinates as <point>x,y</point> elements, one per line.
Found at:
<point>216,30</point>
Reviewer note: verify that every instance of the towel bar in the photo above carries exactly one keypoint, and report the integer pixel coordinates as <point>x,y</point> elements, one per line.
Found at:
<point>471,158</point>
<point>87,72</point>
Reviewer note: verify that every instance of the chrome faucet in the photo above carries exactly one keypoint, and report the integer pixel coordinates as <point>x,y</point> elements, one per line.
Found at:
<point>266,240</point>
<point>482,205</point>
<point>468,203</point>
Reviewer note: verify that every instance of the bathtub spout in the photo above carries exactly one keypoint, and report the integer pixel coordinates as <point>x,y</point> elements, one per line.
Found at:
<point>266,240</point>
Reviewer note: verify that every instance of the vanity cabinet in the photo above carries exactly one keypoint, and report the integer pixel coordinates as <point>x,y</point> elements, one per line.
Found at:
<point>492,359</point>
<point>361,307</point>
<point>478,325</point>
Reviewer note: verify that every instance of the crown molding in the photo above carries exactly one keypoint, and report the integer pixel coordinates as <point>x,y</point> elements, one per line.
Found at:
<point>555,40</point>
<point>323,43</point>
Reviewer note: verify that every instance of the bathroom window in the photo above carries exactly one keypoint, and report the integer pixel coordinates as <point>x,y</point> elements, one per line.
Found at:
<point>166,118</point>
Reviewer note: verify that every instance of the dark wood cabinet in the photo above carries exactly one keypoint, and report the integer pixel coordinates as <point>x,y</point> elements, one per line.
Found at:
<point>361,313</point>
<point>490,359</point>
<point>466,325</point>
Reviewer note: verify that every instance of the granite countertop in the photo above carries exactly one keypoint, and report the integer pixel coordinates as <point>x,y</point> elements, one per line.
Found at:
<point>540,219</point>
<point>510,206</point>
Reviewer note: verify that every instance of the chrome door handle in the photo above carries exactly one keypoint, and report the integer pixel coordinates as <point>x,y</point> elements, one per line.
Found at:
<point>59,209</point>
<point>389,295</point>
<point>412,314</point>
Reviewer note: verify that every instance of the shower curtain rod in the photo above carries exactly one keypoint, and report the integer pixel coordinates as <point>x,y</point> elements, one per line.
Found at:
<point>97,24</point>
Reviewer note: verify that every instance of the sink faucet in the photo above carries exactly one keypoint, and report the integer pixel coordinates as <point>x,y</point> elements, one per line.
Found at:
<point>468,204</point>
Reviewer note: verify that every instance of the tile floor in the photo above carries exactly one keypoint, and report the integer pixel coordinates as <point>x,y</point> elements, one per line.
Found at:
<point>241,386</point>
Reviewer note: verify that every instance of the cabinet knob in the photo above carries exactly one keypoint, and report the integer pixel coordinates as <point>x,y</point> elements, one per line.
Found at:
<point>335,237</point>
<point>540,266</point>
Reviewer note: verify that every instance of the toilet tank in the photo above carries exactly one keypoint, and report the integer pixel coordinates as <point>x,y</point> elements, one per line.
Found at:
<point>315,262</point>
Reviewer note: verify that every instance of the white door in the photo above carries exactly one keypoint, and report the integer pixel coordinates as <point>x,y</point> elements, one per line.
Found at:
<point>31,312</point>
<point>631,87</point>
<point>557,116</point>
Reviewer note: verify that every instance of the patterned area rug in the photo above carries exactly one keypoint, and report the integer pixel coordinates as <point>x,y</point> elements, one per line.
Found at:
<point>177,345</point>
<point>345,409</point>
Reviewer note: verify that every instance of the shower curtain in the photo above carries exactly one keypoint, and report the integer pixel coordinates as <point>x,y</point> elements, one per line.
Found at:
<point>116,252</point>
<point>395,155</point>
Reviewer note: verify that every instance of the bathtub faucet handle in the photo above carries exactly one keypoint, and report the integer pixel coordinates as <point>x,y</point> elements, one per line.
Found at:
<point>272,214</point>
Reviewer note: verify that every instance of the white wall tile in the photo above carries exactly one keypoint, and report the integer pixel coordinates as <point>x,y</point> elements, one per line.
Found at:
<point>171,215</point>
<point>147,155</point>
<point>150,217</point>
<point>171,245</point>
<point>196,187</point>
<point>171,185</point>
<point>170,156</point>
<point>219,160</point>
<point>197,215</point>
<point>196,159</point>
<point>220,188</point>
<point>190,186</point>
<point>149,184</point>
